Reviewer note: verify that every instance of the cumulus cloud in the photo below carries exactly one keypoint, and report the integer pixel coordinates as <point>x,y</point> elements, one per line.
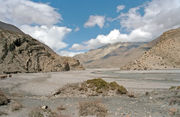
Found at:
<point>95,20</point>
<point>36,19</point>
<point>119,8</point>
<point>113,37</point>
<point>158,16</point>
<point>68,53</point>
<point>50,35</point>
<point>22,12</point>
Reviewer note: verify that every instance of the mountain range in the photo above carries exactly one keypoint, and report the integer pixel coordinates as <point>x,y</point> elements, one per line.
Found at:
<point>161,53</point>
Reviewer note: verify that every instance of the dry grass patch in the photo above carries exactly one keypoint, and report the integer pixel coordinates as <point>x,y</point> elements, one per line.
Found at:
<point>3,99</point>
<point>92,108</point>
<point>15,106</point>
<point>39,112</point>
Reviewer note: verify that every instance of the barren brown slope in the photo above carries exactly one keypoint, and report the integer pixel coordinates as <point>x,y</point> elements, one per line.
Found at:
<point>9,27</point>
<point>21,53</point>
<point>165,54</point>
<point>113,56</point>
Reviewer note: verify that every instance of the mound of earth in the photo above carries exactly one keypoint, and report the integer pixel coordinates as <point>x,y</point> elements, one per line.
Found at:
<point>21,53</point>
<point>94,87</point>
<point>165,54</point>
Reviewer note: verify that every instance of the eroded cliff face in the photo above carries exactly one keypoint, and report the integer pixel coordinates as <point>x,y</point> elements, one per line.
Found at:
<point>165,54</point>
<point>21,53</point>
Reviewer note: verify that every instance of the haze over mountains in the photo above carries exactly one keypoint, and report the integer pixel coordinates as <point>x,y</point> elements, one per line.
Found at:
<point>161,53</point>
<point>21,53</point>
<point>165,54</point>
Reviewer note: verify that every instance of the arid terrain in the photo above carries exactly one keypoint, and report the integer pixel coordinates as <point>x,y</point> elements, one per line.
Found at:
<point>150,94</point>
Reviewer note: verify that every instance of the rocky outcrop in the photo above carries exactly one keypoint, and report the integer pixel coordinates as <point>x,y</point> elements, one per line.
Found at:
<point>21,53</point>
<point>165,54</point>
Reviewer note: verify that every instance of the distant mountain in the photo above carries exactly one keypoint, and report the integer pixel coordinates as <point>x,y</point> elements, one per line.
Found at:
<point>21,53</point>
<point>114,55</point>
<point>165,54</point>
<point>9,27</point>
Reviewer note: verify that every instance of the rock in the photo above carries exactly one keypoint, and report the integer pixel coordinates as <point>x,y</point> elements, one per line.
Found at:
<point>44,107</point>
<point>131,95</point>
<point>3,76</point>
<point>172,111</point>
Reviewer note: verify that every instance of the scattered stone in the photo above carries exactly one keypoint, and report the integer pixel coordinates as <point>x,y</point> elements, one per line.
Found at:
<point>172,111</point>
<point>131,95</point>
<point>147,93</point>
<point>44,107</point>
<point>60,108</point>
<point>3,76</point>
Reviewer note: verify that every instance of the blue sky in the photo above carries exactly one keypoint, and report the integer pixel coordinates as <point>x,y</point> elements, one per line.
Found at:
<point>76,12</point>
<point>70,27</point>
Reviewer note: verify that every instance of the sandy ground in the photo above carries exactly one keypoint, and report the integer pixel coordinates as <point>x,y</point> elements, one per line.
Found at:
<point>33,90</point>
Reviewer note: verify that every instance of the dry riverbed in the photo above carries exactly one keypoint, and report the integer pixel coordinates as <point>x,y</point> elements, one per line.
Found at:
<point>148,94</point>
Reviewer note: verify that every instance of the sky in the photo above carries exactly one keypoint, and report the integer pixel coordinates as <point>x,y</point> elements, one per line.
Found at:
<point>71,27</point>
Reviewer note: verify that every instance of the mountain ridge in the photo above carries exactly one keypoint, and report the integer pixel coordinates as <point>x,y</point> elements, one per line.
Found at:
<point>20,53</point>
<point>165,54</point>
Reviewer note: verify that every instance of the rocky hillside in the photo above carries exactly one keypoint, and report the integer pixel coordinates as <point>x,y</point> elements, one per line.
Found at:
<point>165,54</point>
<point>113,56</point>
<point>9,27</point>
<point>21,53</point>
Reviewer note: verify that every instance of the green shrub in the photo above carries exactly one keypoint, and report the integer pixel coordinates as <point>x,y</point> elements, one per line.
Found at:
<point>98,83</point>
<point>121,90</point>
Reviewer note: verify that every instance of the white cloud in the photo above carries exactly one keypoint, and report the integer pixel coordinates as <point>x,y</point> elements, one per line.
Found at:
<point>95,20</point>
<point>35,19</point>
<point>119,8</point>
<point>76,29</point>
<point>159,16</point>
<point>20,12</point>
<point>68,53</point>
<point>113,37</point>
<point>52,36</point>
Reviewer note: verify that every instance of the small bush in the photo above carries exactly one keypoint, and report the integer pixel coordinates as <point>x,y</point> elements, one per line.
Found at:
<point>114,85</point>
<point>3,99</point>
<point>38,112</point>
<point>15,106</point>
<point>12,47</point>
<point>174,88</point>
<point>98,84</point>
<point>121,90</point>
<point>92,108</point>
<point>3,113</point>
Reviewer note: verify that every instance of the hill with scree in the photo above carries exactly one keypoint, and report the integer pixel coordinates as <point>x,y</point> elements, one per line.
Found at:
<point>165,54</point>
<point>22,53</point>
<point>113,55</point>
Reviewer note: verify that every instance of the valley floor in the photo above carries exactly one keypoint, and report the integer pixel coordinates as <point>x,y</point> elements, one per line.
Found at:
<point>151,89</point>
